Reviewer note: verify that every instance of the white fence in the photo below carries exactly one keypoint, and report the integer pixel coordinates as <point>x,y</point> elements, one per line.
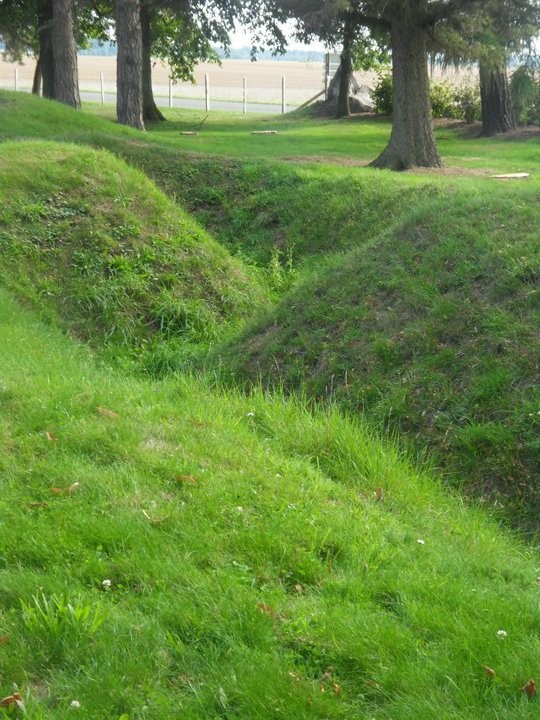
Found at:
<point>238,85</point>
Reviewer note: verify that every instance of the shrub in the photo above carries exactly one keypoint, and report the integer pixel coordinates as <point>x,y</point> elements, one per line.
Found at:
<point>467,99</point>
<point>525,91</point>
<point>446,100</point>
<point>383,93</point>
<point>443,100</point>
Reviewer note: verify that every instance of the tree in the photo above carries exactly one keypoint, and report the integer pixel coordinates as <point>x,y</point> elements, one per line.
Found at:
<point>412,26</point>
<point>129,64</point>
<point>66,76</point>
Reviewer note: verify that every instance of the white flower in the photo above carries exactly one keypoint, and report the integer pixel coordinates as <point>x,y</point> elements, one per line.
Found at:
<point>75,704</point>
<point>106,583</point>
<point>421,542</point>
<point>502,634</point>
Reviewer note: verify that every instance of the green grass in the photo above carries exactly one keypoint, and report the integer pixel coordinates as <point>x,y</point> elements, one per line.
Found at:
<point>450,367</point>
<point>121,265</point>
<point>170,548</point>
<point>264,561</point>
<point>431,330</point>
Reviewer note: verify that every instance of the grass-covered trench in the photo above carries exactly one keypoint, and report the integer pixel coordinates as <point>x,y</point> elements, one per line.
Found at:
<point>171,547</point>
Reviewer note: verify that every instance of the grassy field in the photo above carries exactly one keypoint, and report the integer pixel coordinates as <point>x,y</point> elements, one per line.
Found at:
<point>174,547</point>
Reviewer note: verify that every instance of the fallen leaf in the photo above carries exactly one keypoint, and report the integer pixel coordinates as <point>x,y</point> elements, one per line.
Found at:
<point>267,609</point>
<point>378,492</point>
<point>337,688</point>
<point>65,490</point>
<point>12,700</point>
<point>530,688</point>
<point>298,588</point>
<point>51,437</point>
<point>489,671</point>
<point>107,413</point>
<point>4,639</point>
<point>198,423</point>
<point>188,479</point>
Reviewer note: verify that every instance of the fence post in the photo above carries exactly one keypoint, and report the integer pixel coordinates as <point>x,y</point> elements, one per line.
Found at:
<point>244,96</point>
<point>16,78</point>
<point>207,92</point>
<point>170,93</point>
<point>102,88</point>
<point>283,103</point>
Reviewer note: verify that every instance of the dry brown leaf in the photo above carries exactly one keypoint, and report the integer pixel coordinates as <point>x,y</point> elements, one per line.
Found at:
<point>267,609</point>
<point>188,479</point>
<point>65,490</point>
<point>490,672</point>
<point>198,423</point>
<point>337,688</point>
<point>51,437</point>
<point>530,688</point>
<point>379,494</point>
<point>107,413</point>
<point>4,639</point>
<point>298,588</point>
<point>12,700</point>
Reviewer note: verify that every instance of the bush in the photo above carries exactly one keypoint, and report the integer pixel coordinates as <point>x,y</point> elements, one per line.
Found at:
<point>446,100</point>
<point>383,93</point>
<point>525,91</point>
<point>467,99</point>
<point>443,100</point>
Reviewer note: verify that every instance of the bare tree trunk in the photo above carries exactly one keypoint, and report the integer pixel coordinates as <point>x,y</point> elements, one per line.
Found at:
<point>150,110</point>
<point>45,28</point>
<point>36,84</point>
<point>412,142</point>
<point>345,69</point>
<point>66,76</point>
<point>497,114</point>
<point>129,63</point>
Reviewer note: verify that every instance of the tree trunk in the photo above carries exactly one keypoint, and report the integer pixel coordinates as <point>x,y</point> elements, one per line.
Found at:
<point>345,69</point>
<point>412,142</point>
<point>497,115</point>
<point>129,64</point>
<point>45,30</point>
<point>66,76</point>
<point>150,110</point>
<point>36,84</point>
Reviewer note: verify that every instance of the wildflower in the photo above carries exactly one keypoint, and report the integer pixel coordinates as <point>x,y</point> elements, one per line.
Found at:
<point>502,634</point>
<point>75,704</point>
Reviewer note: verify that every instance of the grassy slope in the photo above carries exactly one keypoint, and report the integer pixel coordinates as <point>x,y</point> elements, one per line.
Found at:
<point>118,261</point>
<point>274,580</point>
<point>429,380</point>
<point>431,330</point>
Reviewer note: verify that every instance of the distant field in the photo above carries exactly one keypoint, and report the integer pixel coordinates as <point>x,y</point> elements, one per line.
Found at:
<point>263,78</point>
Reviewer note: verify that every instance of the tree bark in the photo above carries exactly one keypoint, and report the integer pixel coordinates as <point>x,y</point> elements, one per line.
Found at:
<point>129,64</point>
<point>36,83</point>
<point>150,110</point>
<point>345,69</point>
<point>45,31</point>
<point>66,76</point>
<point>495,98</point>
<point>412,142</point>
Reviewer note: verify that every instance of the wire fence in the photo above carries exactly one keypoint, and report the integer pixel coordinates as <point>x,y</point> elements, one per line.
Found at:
<point>241,86</point>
